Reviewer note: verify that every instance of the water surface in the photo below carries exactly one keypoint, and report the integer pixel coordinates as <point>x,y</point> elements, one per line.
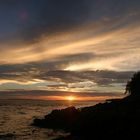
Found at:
<point>17,115</point>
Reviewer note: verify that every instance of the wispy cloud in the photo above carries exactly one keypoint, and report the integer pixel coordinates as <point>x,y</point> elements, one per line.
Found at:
<point>43,76</point>
<point>89,45</point>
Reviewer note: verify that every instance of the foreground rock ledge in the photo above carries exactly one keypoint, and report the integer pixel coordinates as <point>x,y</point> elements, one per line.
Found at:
<point>119,118</point>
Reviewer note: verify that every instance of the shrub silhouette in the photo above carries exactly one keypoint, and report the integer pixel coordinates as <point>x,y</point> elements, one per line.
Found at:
<point>133,86</point>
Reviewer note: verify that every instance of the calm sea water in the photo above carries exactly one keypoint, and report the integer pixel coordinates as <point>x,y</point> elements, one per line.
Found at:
<point>17,115</point>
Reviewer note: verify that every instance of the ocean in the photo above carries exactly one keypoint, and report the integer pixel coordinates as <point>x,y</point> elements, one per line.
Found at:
<point>17,115</point>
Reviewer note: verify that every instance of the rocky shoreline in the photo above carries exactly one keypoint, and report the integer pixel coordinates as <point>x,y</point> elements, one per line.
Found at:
<point>119,118</point>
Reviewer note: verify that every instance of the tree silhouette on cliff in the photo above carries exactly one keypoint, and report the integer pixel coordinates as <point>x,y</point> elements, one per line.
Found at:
<point>133,85</point>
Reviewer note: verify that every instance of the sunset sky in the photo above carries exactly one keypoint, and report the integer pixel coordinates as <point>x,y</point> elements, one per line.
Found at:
<point>81,47</point>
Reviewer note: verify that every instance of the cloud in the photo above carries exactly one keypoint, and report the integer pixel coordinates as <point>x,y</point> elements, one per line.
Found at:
<point>8,3</point>
<point>105,47</point>
<point>68,27</point>
<point>99,77</point>
<point>64,15</point>
<point>50,77</point>
<point>58,62</point>
<point>68,41</point>
<point>57,16</point>
<point>50,17</point>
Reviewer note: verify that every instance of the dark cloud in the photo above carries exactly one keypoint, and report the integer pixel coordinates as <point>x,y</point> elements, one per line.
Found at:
<point>8,3</point>
<point>63,15</point>
<point>99,77</point>
<point>57,16</point>
<point>52,70</point>
<point>57,63</point>
<point>42,71</point>
<point>47,17</point>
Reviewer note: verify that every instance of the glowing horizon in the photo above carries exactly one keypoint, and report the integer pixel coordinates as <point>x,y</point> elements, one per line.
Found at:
<point>68,97</point>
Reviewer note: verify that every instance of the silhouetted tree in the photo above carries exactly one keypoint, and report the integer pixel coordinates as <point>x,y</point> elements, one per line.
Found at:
<point>133,86</point>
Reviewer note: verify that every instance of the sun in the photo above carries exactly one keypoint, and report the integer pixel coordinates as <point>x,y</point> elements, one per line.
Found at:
<point>70,98</point>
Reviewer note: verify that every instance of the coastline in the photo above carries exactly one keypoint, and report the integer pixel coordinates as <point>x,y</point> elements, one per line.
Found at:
<point>104,120</point>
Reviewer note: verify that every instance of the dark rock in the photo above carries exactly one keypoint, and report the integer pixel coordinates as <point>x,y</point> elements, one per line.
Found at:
<point>120,118</point>
<point>59,119</point>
